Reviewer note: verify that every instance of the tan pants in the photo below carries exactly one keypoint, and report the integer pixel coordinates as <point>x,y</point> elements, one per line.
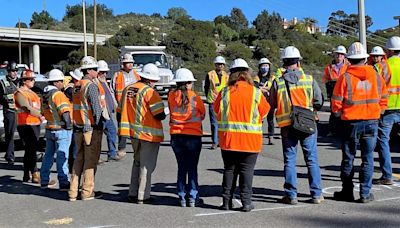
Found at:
<point>86,162</point>
<point>145,159</point>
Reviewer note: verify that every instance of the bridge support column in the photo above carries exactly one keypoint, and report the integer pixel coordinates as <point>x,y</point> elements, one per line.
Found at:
<point>36,58</point>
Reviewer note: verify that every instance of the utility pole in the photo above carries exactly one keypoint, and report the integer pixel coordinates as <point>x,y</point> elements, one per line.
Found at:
<point>19,42</point>
<point>94,29</point>
<point>361,22</point>
<point>397,18</point>
<point>84,26</point>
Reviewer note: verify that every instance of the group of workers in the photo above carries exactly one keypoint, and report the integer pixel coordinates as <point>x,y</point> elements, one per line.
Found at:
<point>366,99</point>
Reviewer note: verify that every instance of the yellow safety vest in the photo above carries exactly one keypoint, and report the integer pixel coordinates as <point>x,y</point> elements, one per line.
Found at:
<point>394,87</point>
<point>215,85</point>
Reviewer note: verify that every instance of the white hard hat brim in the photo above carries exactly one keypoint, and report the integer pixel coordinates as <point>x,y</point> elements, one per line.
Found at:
<point>127,61</point>
<point>103,69</point>
<point>148,76</point>
<point>75,76</point>
<point>55,79</point>
<point>181,80</point>
<point>340,52</point>
<point>357,56</point>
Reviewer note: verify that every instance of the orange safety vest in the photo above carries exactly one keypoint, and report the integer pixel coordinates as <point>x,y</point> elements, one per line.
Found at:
<point>24,117</point>
<point>331,75</point>
<point>103,102</point>
<point>54,108</point>
<point>82,111</point>
<point>240,110</point>
<point>139,104</point>
<point>120,83</point>
<point>185,119</point>
<point>216,85</point>
<point>359,99</point>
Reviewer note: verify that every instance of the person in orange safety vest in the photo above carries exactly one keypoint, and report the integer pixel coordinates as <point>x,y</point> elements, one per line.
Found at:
<point>359,99</point>
<point>240,108</point>
<point>142,111</point>
<point>29,118</point>
<point>187,113</point>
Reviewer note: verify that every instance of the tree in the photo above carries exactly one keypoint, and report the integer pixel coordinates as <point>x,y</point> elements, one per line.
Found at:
<point>238,19</point>
<point>237,50</point>
<point>267,48</point>
<point>269,26</point>
<point>132,35</point>
<point>226,33</point>
<point>343,24</point>
<point>42,20</point>
<point>23,25</point>
<point>74,16</point>
<point>176,12</point>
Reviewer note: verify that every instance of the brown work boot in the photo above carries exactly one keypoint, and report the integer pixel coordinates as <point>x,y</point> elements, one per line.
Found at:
<point>36,177</point>
<point>51,184</point>
<point>121,153</point>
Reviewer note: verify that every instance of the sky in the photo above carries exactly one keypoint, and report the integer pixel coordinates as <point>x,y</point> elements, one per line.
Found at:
<point>381,11</point>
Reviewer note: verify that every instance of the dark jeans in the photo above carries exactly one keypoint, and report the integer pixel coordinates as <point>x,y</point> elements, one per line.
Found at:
<point>187,152</point>
<point>270,121</point>
<point>354,133</point>
<point>213,123</point>
<point>240,163</point>
<point>121,139</point>
<point>10,124</point>
<point>30,136</point>
<point>330,85</point>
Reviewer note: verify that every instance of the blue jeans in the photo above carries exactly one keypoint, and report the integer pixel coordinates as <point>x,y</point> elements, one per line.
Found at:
<point>187,152</point>
<point>365,134</point>
<point>111,134</point>
<point>290,138</point>
<point>214,124</point>
<point>385,127</point>
<point>57,142</point>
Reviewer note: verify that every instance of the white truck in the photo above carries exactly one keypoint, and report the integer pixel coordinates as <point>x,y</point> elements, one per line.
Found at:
<point>154,54</point>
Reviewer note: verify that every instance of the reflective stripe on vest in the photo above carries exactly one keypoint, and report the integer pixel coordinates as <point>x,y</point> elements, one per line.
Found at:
<point>214,88</point>
<point>224,125</point>
<point>120,83</point>
<point>82,108</point>
<point>350,101</point>
<point>8,91</point>
<point>394,87</point>
<point>183,110</point>
<point>55,123</point>
<point>284,107</point>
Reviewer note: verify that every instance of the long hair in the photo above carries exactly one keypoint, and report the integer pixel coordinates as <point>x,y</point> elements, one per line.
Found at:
<point>240,76</point>
<point>181,86</point>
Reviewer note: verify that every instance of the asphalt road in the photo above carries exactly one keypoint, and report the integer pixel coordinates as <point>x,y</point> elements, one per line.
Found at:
<point>26,205</point>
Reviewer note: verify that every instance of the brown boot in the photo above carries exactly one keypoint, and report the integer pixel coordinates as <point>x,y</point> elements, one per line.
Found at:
<point>36,177</point>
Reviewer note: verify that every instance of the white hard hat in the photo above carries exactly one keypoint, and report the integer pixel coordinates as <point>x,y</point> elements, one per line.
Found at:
<point>103,66</point>
<point>55,75</point>
<point>219,59</point>
<point>393,43</point>
<point>127,58</point>
<point>340,49</point>
<point>377,51</point>
<point>76,74</point>
<point>263,61</point>
<point>291,52</point>
<point>88,62</point>
<point>184,75</point>
<point>239,63</point>
<point>150,71</point>
<point>357,51</point>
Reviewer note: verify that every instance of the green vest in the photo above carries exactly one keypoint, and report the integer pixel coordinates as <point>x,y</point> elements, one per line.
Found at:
<point>394,88</point>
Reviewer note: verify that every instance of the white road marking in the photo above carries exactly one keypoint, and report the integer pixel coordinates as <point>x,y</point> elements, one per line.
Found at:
<point>260,209</point>
<point>387,199</point>
<point>103,226</point>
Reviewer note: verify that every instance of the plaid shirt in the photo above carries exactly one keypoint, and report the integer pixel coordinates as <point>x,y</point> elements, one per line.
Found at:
<point>93,95</point>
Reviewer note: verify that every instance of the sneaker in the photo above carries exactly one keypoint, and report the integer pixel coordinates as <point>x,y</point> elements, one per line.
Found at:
<point>382,181</point>
<point>343,196</point>
<point>101,162</point>
<point>71,199</point>
<point>115,158</point>
<point>10,162</point>
<point>288,200</point>
<point>368,199</point>
<point>182,203</point>
<point>64,187</point>
<point>94,195</point>
<point>213,146</point>
<point>196,202</point>
<point>247,208</point>
<point>316,200</point>
<point>121,153</point>
<point>51,184</point>
<point>144,201</point>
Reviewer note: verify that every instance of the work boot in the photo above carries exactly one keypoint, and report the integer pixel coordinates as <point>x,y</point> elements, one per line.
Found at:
<point>27,176</point>
<point>51,184</point>
<point>213,146</point>
<point>344,196</point>
<point>226,205</point>
<point>121,153</point>
<point>36,177</point>
<point>288,200</point>
<point>316,200</point>
<point>270,141</point>
<point>368,199</point>
<point>382,181</point>
<point>247,208</point>
<point>115,158</point>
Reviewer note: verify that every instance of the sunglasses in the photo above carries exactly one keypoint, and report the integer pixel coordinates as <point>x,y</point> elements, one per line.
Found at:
<point>29,79</point>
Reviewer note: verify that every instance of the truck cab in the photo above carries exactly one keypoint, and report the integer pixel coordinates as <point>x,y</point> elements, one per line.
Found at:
<point>156,55</point>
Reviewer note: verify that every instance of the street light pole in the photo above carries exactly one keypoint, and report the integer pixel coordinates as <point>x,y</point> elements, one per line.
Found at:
<point>84,26</point>
<point>361,22</point>
<point>397,18</point>
<point>94,29</point>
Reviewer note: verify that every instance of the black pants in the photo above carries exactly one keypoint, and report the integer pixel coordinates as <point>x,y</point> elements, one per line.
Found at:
<point>121,139</point>
<point>270,121</point>
<point>242,164</point>
<point>30,136</point>
<point>10,125</point>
